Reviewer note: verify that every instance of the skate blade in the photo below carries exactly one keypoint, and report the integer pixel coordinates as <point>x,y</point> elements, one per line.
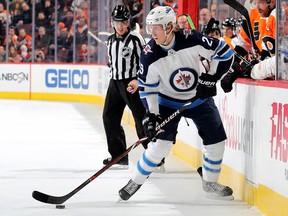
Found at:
<point>119,167</point>
<point>159,169</point>
<point>217,197</point>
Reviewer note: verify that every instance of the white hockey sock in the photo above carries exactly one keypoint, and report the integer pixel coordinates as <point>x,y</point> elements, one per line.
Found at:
<point>150,159</point>
<point>212,160</point>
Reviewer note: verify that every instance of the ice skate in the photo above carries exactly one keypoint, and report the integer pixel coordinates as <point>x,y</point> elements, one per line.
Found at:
<point>128,190</point>
<point>217,191</point>
<point>160,167</point>
<point>122,164</point>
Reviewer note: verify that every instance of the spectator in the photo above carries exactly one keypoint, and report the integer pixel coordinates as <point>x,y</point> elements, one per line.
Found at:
<point>40,56</point>
<point>182,21</point>
<point>13,36</point>
<point>16,5</point>
<point>41,20</point>
<point>11,53</point>
<point>205,16</point>
<point>68,19</point>
<point>4,15</point>
<point>92,50</point>
<point>50,29</point>
<point>81,32</point>
<point>26,14</point>
<point>83,54</point>
<point>48,8</point>
<point>2,54</point>
<point>16,17</point>
<point>24,53</point>
<point>43,40</point>
<point>23,38</point>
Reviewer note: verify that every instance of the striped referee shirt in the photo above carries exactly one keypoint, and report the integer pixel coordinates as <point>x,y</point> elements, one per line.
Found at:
<point>124,55</point>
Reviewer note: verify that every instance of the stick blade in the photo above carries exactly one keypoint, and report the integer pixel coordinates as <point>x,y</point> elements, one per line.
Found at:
<point>45,198</point>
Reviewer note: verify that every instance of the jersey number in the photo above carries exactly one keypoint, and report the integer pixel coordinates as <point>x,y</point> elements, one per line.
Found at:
<point>205,39</point>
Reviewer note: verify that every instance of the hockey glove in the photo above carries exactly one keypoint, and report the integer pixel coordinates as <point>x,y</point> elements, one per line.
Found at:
<point>206,86</point>
<point>150,122</point>
<point>234,72</point>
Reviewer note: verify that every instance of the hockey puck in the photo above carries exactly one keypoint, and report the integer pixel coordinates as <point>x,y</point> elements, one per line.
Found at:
<point>60,206</point>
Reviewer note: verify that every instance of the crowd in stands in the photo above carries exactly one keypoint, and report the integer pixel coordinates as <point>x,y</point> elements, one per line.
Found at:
<point>43,44</point>
<point>18,19</point>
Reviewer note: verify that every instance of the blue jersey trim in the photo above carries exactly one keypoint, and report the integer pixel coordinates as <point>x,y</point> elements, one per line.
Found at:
<point>140,83</point>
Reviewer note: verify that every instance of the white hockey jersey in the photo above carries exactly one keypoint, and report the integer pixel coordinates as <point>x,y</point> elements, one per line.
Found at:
<point>169,77</point>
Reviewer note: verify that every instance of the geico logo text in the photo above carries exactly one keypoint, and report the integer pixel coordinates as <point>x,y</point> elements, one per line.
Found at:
<point>64,78</point>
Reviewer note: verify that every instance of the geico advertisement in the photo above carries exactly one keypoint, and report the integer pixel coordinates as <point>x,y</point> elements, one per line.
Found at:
<point>14,78</point>
<point>76,79</point>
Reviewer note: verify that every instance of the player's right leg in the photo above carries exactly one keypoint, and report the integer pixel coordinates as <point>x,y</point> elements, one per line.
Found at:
<point>150,159</point>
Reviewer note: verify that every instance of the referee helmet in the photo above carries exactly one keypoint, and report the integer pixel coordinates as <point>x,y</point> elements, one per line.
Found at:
<point>120,13</point>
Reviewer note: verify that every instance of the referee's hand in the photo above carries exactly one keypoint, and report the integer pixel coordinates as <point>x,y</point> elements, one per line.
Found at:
<point>132,86</point>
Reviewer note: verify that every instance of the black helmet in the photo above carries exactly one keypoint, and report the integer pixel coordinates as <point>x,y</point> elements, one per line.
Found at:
<point>120,13</point>
<point>229,22</point>
<point>212,26</point>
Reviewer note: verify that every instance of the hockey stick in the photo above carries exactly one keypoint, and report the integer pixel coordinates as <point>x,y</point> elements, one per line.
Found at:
<point>104,33</point>
<point>190,22</point>
<point>45,198</point>
<point>247,28</point>
<point>97,38</point>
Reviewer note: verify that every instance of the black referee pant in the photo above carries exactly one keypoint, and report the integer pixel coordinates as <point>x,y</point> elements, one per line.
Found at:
<point>116,100</point>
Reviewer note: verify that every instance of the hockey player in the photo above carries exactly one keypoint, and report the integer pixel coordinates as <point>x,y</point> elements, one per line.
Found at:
<point>171,74</point>
<point>229,31</point>
<point>266,68</point>
<point>124,47</point>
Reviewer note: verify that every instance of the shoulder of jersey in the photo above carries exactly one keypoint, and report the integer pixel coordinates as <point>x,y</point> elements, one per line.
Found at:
<point>149,48</point>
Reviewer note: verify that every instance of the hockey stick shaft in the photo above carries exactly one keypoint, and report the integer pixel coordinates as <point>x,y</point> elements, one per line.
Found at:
<point>45,198</point>
<point>191,22</point>
<point>97,38</point>
<point>243,11</point>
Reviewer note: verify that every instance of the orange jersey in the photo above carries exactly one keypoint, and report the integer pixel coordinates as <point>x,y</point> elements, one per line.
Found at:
<point>228,40</point>
<point>257,27</point>
<point>269,36</point>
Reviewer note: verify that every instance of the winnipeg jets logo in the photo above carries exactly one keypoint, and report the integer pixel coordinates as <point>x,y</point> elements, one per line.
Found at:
<point>184,79</point>
<point>126,52</point>
<point>147,49</point>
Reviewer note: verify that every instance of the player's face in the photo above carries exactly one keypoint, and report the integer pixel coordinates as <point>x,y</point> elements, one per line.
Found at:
<point>262,7</point>
<point>121,27</point>
<point>227,31</point>
<point>157,32</point>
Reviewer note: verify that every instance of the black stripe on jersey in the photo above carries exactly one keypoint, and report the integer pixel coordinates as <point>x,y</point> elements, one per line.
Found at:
<point>116,63</point>
<point>223,50</point>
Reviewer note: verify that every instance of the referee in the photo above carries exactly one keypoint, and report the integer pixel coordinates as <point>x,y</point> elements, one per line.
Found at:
<point>124,48</point>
